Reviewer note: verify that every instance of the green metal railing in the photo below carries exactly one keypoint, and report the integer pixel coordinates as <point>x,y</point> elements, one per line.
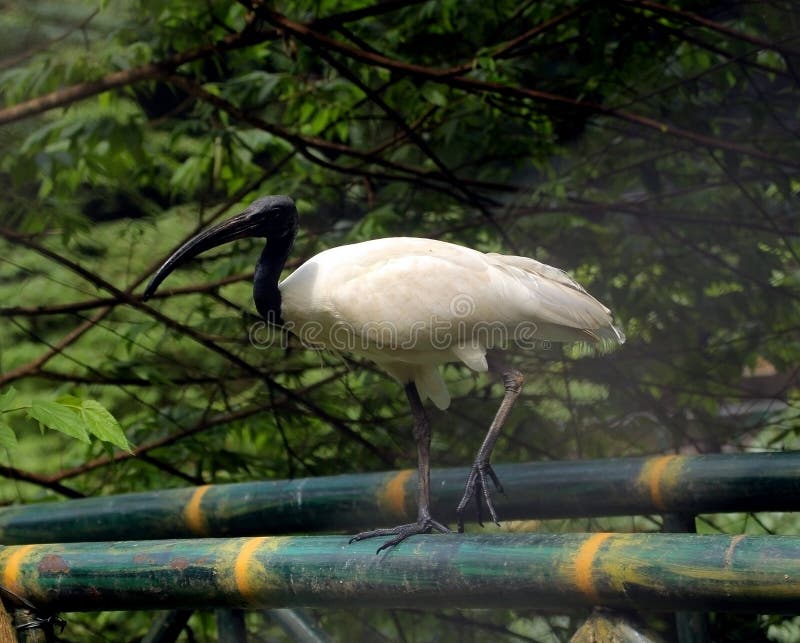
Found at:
<point>559,571</point>
<point>680,572</point>
<point>627,486</point>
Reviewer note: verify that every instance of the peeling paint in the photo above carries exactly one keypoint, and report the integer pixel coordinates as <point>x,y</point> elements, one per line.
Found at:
<point>728,559</point>
<point>179,563</point>
<point>143,559</point>
<point>53,564</point>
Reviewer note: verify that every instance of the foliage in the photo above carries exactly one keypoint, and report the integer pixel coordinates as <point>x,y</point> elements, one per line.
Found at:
<point>73,416</point>
<point>649,149</point>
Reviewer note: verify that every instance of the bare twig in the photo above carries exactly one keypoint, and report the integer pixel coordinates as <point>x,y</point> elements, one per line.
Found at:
<point>16,60</point>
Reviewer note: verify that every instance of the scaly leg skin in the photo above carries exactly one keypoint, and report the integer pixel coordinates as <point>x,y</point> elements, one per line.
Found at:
<point>477,486</point>
<point>425,524</point>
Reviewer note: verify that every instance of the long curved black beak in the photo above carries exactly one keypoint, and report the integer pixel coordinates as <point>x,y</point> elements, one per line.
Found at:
<point>239,227</point>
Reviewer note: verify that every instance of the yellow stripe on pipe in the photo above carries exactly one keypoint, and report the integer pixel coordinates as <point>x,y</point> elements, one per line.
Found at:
<point>243,567</point>
<point>12,568</point>
<point>392,497</point>
<point>252,577</point>
<point>193,512</point>
<point>584,563</point>
<point>658,475</point>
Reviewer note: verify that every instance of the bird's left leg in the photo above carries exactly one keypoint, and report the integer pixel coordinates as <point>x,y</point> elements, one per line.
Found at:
<point>425,523</point>
<point>477,486</point>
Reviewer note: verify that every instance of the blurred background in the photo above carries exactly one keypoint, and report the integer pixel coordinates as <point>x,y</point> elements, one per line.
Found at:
<point>651,150</point>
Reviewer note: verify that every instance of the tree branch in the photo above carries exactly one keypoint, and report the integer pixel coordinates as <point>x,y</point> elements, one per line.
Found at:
<point>149,71</point>
<point>12,473</point>
<point>445,77</point>
<point>302,143</point>
<point>80,306</point>
<point>32,367</point>
<point>693,18</point>
<point>204,425</point>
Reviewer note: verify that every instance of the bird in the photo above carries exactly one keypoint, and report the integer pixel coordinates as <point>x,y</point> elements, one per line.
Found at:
<point>411,305</point>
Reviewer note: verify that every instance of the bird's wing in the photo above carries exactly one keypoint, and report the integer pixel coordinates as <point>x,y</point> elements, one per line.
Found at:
<point>556,301</point>
<point>434,295</point>
<point>533,267</point>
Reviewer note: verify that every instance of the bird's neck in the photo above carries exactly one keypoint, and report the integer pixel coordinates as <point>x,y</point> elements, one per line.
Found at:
<point>266,294</point>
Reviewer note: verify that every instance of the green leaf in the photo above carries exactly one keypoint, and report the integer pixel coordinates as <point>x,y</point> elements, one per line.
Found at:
<point>60,418</point>
<point>434,94</point>
<point>6,398</point>
<point>8,439</point>
<point>102,424</point>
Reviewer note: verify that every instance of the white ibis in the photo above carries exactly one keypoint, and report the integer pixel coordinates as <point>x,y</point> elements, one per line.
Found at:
<point>410,305</point>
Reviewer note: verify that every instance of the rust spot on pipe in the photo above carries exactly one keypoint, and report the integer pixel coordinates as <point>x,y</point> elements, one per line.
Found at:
<point>12,568</point>
<point>392,496</point>
<point>143,559</point>
<point>193,512</point>
<point>584,561</point>
<point>179,563</point>
<point>53,564</point>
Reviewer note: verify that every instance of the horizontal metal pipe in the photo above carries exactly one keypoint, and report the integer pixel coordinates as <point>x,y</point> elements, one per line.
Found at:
<point>661,572</point>
<point>624,486</point>
<point>297,625</point>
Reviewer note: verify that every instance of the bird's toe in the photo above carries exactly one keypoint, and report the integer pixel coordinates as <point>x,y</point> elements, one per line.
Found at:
<point>477,487</point>
<point>401,532</point>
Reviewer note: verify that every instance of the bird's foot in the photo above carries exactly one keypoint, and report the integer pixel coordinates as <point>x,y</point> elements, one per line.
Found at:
<point>401,532</point>
<point>478,488</point>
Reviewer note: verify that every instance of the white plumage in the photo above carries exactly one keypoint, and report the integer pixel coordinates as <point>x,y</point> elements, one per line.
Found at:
<point>412,304</point>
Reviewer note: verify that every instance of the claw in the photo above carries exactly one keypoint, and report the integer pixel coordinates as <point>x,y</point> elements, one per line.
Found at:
<point>401,532</point>
<point>477,487</point>
<point>495,479</point>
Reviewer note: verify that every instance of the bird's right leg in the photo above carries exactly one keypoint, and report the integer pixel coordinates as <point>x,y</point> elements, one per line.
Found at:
<point>477,484</point>
<point>425,523</point>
